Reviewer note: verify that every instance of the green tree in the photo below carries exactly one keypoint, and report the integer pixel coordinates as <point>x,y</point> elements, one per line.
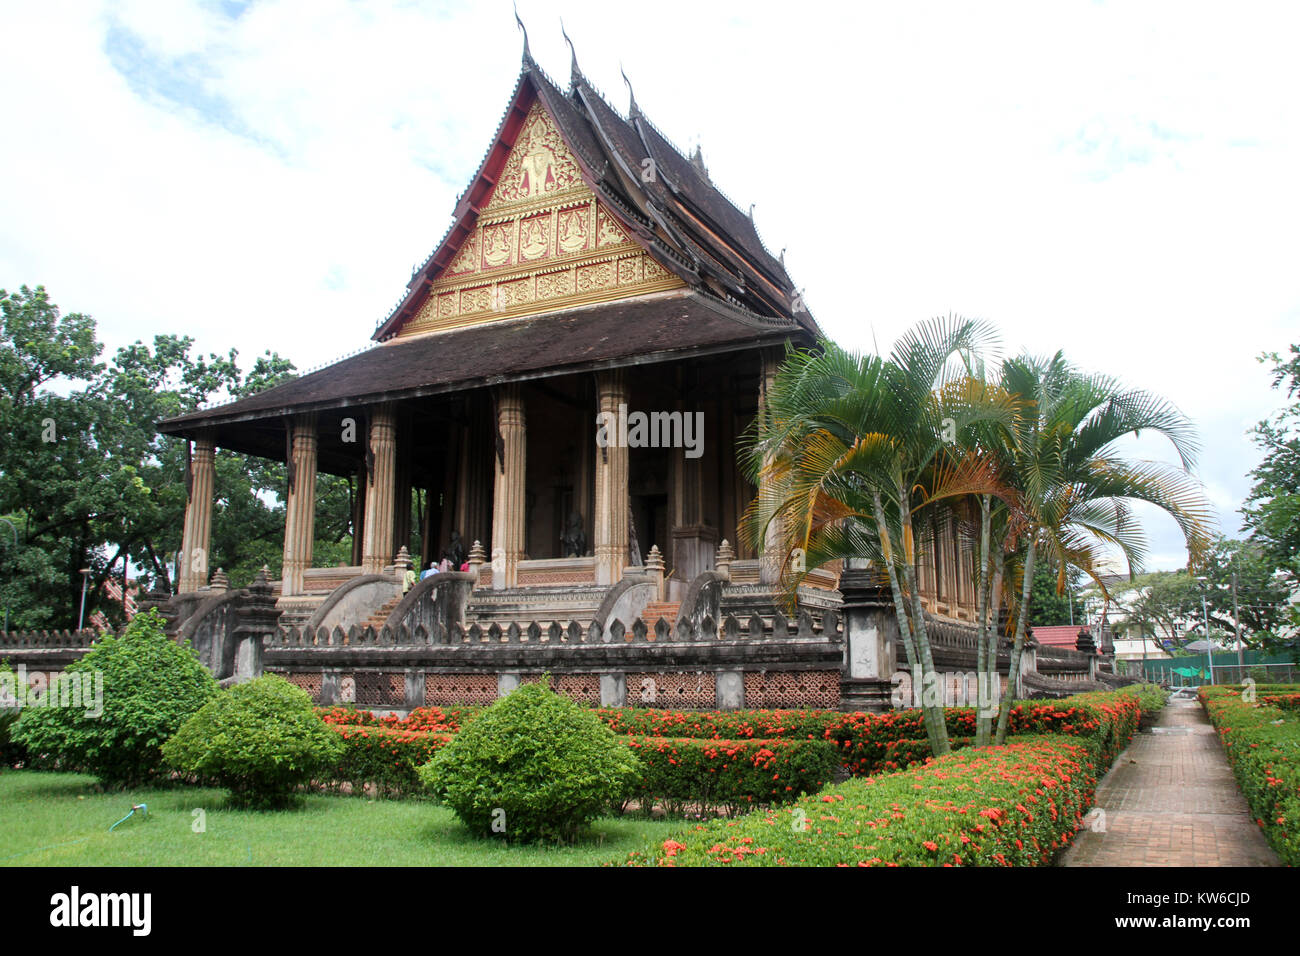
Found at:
<point>1158,607</point>
<point>1272,509</point>
<point>1047,607</point>
<point>1075,492</point>
<point>130,693</point>
<point>87,481</point>
<point>844,452</point>
<point>1260,601</point>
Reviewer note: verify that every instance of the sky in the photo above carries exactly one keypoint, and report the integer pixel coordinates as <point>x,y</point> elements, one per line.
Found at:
<point>1115,180</point>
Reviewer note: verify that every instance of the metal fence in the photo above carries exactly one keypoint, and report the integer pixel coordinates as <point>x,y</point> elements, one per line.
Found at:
<point>1195,670</point>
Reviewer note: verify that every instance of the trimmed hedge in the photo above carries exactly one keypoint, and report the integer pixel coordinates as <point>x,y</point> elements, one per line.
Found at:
<point>1014,805</point>
<point>386,758</point>
<point>1262,743</point>
<point>869,743</point>
<point>442,720</point>
<point>389,752</point>
<point>729,774</point>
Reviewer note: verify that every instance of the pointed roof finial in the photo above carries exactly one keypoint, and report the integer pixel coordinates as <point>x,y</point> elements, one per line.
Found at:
<point>632,108</point>
<point>751,212</point>
<point>697,160</point>
<point>528,57</point>
<point>573,54</point>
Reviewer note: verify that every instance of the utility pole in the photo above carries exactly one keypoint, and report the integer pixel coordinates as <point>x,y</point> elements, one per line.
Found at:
<point>85,579</point>
<point>1236,626</point>
<point>1209,645</point>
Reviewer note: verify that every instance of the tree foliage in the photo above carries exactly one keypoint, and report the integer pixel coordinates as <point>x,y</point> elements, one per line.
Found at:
<point>859,457</point>
<point>86,481</point>
<point>1272,509</point>
<point>145,687</point>
<point>1046,606</point>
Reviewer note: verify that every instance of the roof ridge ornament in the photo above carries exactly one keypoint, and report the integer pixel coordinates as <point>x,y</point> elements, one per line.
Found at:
<point>697,160</point>
<point>574,72</point>
<point>633,111</point>
<point>528,56</point>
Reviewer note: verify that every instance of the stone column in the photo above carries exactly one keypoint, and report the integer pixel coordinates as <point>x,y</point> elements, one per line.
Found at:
<point>378,549</point>
<point>257,621</point>
<point>300,507</point>
<point>609,524</point>
<point>508,488</point>
<point>870,639</point>
<point>196,542</point>
<point>769,565</point>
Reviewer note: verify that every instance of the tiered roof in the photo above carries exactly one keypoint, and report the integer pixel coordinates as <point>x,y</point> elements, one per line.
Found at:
<point>721,289</point>
<point>669,205</point>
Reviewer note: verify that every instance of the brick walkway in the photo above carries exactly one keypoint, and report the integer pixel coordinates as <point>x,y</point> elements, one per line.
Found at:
<point>1171,800</point>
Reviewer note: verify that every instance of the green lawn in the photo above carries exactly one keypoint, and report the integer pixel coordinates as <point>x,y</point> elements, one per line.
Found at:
<point>60,819</point>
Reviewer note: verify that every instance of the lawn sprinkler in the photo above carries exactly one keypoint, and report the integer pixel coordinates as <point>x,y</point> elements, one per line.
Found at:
<point>144,812</point>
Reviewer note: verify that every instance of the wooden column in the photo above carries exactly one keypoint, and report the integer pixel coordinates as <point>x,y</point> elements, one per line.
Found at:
<point>196,540</point>
<point>359,516</point>
<point>451,491</point>
<point>770,561</point>
<point>300,506</point>
<point>472,515</point>
<point>510,467</point>
<point>402,488</point>
<point>693,540</point>
<point>378,550</point>
<point>609,524</point>
<point>582,485</point>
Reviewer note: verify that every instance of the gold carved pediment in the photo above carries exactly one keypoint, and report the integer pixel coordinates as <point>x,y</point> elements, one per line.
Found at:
<point>543,242</point>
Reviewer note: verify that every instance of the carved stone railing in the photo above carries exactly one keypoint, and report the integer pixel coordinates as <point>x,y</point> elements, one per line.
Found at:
<point>732,629</point>
<point>46,650</point>
<point>44,639</point>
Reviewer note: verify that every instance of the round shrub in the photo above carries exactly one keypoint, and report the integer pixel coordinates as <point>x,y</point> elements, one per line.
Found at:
<point>534,766</point>
<point>150,686</point>
<point>260,740</point>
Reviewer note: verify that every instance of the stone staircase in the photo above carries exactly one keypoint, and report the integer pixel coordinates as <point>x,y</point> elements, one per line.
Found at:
<point>380,617</point>
<point>657,609</point>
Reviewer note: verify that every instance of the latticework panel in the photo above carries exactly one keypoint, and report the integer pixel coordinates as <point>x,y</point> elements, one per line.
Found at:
<point>793,689</point>
<point>308,682</point>
<point>380,690</point>
<point>584,688</point>
<point>447,690</point>
<point>695,691</point>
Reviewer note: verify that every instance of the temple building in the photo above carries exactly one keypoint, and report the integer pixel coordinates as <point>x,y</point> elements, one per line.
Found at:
<point>567,377</point>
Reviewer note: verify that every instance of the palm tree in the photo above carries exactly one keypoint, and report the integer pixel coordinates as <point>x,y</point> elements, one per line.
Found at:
<point>1075,491</point>
<point>844,453</point>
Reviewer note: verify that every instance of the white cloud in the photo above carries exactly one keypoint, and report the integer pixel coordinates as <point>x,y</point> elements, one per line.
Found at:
<point>1115,180</point>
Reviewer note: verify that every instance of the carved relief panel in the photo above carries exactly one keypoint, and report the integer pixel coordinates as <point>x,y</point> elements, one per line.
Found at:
<point>542,242</point>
